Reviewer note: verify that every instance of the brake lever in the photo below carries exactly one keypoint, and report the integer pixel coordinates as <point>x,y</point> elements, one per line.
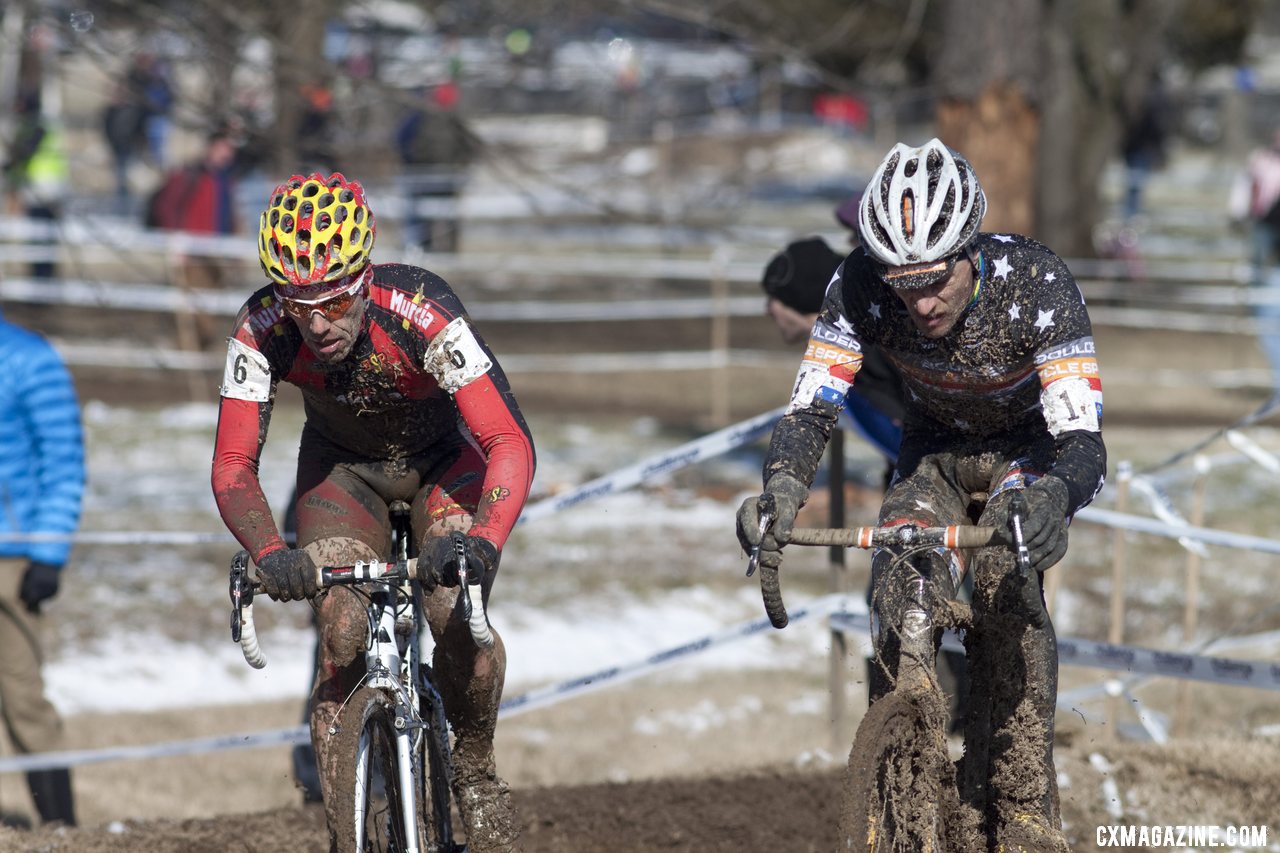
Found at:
<point>460,552</point>
<point>241,591</point>
<point>768,510</point>
<point>1018,506</point>
<point>1031,589</point>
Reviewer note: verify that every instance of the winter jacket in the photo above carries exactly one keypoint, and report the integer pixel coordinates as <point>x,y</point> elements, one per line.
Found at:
<point>41,446</point>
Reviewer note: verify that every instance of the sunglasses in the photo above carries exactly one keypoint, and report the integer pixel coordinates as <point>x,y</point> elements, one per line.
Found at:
<point>919,276</point>
<point>330,307</point>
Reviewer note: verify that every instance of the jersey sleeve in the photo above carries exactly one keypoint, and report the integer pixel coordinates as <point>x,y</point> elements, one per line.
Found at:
<point>465,368</point>
<point>244,414</point>
<point>1070,386</point>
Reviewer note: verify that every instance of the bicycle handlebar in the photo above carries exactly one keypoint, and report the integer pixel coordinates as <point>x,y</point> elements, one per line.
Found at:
<point>243,588</point>
<point>955,536</point>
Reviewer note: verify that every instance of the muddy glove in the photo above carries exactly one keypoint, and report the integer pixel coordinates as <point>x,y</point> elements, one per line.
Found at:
<point>39,582</point>
<point>288,574</point>
<point>1044,525</point>
<point>788,495</point>
<point>438,561</point>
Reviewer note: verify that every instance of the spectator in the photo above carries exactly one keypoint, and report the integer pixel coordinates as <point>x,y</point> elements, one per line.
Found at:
<point>315,148</point>
<point>36,175</point>
<point>795,281</point>
<point>1146,136</point>
<point>122,122</point>
<point>436,147</point>
<point>199,198</point>
<point>42,479</point>
<point>150,86</point>
<point>1255,199</point>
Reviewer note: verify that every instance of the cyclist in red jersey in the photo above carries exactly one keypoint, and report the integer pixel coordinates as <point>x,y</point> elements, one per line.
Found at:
<point>403,401</point>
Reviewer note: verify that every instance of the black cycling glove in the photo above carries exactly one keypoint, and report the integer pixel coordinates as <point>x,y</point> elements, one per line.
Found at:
<point>788,495</point>
<point>438,560</point>
<point>1044,522</point>
<point>288,574</point>
<point>39,582</point>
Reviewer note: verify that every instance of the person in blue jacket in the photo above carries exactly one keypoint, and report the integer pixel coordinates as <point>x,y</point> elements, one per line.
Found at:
<point>41,484</point>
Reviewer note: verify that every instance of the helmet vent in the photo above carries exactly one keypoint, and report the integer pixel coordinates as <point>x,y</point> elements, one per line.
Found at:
<point>307,210</point>
<point>286,224</point>
<point>310,189</point>
<point>291,203</point>
<point>346,196</point>
<point>324,201</point>
<point>323,221</point>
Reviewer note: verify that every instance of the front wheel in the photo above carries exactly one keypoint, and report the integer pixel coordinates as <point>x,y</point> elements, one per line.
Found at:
<point>381,777</point>
<point>897,771</point>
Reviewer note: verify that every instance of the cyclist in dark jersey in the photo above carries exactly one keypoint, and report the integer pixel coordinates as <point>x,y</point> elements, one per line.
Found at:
<point>995,347</point>
<point>403,401</point>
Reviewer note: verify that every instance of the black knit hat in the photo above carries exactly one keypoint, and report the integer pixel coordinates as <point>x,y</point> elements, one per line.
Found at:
<point>798,275</point>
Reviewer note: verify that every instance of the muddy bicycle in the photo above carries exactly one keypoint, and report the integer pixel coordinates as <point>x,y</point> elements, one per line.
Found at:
<point>395,765</point>
<point>901,791</point>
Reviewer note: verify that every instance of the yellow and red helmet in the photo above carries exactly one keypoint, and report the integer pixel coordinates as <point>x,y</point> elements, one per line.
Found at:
<point>315,230</point>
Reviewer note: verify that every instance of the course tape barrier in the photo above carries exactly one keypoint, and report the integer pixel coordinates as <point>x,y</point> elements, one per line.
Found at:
<point>713,444</point>
<point>1073,651</point>
<point>532,700</point>
<point>844,613</point>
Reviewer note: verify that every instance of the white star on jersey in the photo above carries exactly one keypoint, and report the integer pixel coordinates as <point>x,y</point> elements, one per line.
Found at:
<point>843,324</point>
<point>961,423</point>
<point>1051,276</point>
<point>1003,238</point>
<point>1045,320</point>
<point>1003,268</point>
<point>874,310</point>
<point>1015,311</point>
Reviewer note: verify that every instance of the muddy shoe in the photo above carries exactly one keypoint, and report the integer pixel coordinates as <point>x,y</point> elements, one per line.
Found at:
<point>488,814</point>
<point>1030,834</point>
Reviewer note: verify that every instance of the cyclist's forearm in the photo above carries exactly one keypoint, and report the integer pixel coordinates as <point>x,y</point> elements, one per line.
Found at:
<point>799,440</point>
<point>1082,465</point>
<point>242,430</point>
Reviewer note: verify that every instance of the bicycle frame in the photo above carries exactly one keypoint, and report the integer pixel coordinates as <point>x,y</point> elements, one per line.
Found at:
<point>393,667</point>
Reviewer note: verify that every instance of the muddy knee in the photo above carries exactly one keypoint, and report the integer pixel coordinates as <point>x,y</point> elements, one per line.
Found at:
<point>340,613</point>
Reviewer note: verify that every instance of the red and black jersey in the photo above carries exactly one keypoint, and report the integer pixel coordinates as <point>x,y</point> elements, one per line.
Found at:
<point>418,373</point>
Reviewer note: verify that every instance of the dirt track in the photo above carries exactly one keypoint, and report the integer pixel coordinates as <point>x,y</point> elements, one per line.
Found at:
<point>1215,782</point>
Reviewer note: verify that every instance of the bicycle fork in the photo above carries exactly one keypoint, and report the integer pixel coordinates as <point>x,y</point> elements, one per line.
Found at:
<point>916,652</point>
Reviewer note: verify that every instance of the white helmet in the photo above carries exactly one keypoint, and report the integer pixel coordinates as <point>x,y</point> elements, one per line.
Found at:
<point>922,205</point>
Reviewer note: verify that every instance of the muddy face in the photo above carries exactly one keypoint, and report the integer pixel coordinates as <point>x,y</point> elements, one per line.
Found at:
<point>935,309</point>
<point>332,340</point>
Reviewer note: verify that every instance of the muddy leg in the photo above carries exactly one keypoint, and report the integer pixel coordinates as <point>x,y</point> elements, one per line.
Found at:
<point>470,682</point>
<point>1019,679</point>
<point>341,621</point>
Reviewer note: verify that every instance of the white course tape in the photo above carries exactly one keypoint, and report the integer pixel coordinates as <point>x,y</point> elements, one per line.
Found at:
<point>706,447</point>
<point>1132,659</point>
<point>527,702</point>
<point>195,746</point>
<point>1140,524</point>
<point>612,675</point>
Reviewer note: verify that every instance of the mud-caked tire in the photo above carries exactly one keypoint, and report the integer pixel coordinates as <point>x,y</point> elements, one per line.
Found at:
<point>366,766</point>
<point>892,799</point>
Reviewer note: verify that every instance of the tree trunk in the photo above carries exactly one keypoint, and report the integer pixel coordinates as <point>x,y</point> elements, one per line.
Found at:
<point>998,132</point>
